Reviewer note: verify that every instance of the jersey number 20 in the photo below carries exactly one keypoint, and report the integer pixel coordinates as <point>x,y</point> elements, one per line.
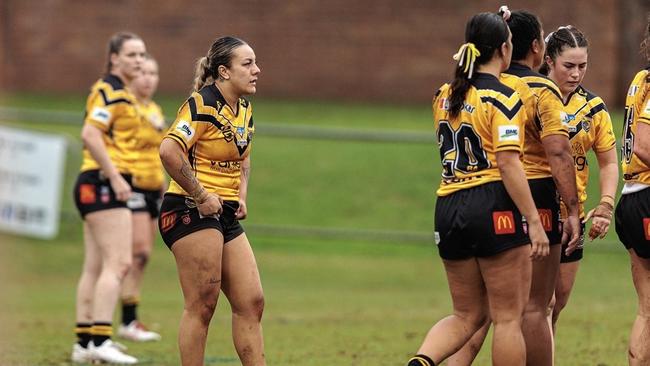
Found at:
<point>470,156</point>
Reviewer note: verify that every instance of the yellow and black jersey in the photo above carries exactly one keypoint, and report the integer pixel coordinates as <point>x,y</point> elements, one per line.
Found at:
<point>491,120</point>
<point>216,140</point>
<point>590,127</point>
<point>546,107</point>
<point>637,110</point>
<point>111,108</point>
<point>148,170</point>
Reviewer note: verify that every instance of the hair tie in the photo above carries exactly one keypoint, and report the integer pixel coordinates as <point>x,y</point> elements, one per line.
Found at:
<point>466,56</point>
<point>505,12</point>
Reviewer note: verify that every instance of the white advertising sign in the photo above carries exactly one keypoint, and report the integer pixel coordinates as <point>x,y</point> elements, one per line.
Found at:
<point>31,176</point>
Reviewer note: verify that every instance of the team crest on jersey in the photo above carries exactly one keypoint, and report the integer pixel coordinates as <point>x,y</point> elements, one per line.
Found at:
<point>101,115</point>
<point>185,129</point>
<point>632,91</point>
<point>509,133</point>
<point>586,125</point>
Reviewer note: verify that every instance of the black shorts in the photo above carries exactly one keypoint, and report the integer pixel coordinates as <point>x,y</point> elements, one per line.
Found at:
<point>547,202</point>
<point>633,222</point>
<point>478,222</point>
<point>179,217</point>
<point>577,254</point>
<point>143,200</point>
<point>93,192</point>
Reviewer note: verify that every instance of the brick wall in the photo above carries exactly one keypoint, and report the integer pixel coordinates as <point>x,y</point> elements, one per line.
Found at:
<point>370,50</point>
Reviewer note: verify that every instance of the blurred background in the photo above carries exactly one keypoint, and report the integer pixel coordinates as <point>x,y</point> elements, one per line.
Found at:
<point>345,168</point>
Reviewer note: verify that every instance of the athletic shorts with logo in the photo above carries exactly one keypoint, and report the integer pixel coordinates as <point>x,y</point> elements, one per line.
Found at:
<point>93,192</point>
<point>143,200</point>
<point>633,222</point>
<point>179,217</point>
<point>480,221</point>
<point>548,206</point>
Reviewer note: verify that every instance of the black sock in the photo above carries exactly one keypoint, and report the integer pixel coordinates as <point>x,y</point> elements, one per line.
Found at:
<point>421,360</point>
<point>129,312</point>
<point>101,332</point>
<point>82,330</point>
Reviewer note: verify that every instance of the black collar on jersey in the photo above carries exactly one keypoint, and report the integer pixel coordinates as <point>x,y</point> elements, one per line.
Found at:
<point>520,70</point>
<point>483,80</point>
<point>114,81</point>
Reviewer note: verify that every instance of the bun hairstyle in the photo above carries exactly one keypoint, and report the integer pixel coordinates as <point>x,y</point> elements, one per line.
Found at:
<point>220,53</point>
<point>484,34</point>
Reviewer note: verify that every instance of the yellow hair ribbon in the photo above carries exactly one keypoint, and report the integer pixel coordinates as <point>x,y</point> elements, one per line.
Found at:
<point>466,56</point>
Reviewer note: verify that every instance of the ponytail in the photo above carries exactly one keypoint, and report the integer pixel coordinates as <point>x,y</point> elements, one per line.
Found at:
<point>220,53</point>
<point>203,74</point>
<point>466,57</point>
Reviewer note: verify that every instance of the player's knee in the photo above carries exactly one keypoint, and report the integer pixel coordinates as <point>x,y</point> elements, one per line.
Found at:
<point>474,320</point>
<point>252,307</point>
<point>140,259</point>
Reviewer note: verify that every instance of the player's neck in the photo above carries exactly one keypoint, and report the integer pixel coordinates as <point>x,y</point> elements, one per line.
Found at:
<point>231,98</point>
<point>493,68</point>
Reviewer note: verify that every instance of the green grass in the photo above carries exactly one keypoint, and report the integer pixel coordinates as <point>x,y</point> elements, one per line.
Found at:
<point>329,302</point>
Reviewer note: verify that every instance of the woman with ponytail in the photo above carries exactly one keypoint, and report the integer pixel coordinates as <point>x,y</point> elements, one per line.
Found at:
<point>482,200</point>
<point>548,162</point>
<point>207,154</point>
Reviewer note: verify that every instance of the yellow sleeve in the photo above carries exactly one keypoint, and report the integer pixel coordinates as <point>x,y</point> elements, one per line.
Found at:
<point>102,106</point>
<point>184,130</point>
<point>508,118</point>
<point>605,139</point>
<point>549,112</point>
<point>644,114</point>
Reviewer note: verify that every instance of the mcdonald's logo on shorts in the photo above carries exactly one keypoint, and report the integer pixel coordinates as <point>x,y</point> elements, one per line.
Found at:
<point>167,221</point>
<point>646,228</point>
<point>546,218</point>
<point>504,222</point>
<point>87,194</point>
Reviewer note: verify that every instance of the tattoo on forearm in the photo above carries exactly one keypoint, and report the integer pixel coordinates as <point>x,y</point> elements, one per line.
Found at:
<point>188,174</point>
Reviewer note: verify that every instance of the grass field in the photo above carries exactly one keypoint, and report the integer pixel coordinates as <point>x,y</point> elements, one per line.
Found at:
<point>330,301</point>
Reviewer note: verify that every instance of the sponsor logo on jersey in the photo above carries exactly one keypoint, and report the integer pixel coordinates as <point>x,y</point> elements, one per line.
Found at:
<point>185,129</point>
<point>468,108</point>
<point>646,228</point>
<point>443,104</point>
<point>567,118</point>
<point>509,133</point>
<point>504,222</point>
<point>87,194</point>
<point>632,91</point>
<point>546,218</point>
<point>436,237</point>
<point>100,115</point>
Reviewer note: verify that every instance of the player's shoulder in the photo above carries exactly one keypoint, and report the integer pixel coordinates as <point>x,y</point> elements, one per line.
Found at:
<point>490,84</point>
<point>111,89</point>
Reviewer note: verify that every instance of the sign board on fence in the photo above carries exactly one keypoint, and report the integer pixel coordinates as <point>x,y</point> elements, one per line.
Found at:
<point>31,173</point>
